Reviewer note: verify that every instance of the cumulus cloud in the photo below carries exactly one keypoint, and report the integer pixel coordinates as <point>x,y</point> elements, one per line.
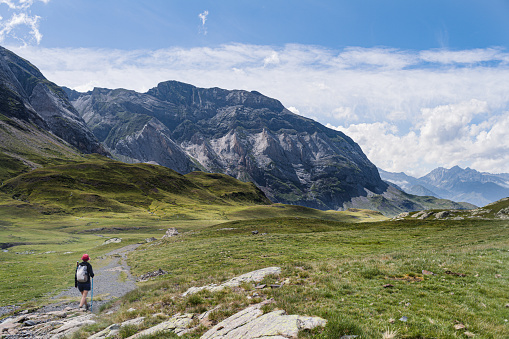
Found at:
<point>22,26</point>
<point>409,110</point>
<point>447,135</point>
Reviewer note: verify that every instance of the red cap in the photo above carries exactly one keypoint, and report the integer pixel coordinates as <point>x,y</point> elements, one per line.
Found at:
<point>85,257</point>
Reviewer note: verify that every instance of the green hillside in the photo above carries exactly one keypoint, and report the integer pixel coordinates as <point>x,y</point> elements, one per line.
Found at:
<point>110,186</point>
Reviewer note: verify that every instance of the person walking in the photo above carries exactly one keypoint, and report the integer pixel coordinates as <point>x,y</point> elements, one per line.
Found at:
<point>84,273</point>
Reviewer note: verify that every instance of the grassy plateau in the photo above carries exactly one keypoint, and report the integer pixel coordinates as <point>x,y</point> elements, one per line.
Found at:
<point>367,275</point>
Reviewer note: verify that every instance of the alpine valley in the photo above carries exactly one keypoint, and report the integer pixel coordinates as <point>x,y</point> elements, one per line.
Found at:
<point>246,135</point>
<point>213,213</point>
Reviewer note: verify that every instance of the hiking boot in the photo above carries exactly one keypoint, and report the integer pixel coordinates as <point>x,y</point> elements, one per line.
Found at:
<point>86,307</point>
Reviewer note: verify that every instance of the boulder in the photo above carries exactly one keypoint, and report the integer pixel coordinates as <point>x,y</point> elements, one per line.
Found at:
<point>171,232</point>
<point>112,241</point>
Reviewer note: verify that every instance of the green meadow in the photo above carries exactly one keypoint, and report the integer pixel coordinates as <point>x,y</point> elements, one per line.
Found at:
<point>367,275</point>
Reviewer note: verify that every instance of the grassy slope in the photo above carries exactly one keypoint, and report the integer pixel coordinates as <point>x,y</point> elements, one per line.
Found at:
<point>54,206</point>
<point>337,271</point>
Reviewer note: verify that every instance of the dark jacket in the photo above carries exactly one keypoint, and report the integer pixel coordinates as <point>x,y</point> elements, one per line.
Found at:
<point>90,273</point>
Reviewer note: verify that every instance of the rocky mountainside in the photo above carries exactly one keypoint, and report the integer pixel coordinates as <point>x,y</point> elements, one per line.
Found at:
<point>456,184</point>
<point>243,134</point>
<point>28,99</point>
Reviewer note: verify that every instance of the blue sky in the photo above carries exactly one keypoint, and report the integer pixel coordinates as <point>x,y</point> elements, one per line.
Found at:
<point>418,84</point>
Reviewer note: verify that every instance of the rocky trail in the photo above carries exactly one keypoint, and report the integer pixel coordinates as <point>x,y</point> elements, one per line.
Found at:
<point>108,284</point>
<point>63,319</point>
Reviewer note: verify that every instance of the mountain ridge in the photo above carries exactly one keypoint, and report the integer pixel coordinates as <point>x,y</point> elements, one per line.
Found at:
<point>457,184</point>
<point>244,134</point>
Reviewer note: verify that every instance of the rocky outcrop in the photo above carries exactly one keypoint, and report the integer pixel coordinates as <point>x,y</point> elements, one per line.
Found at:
<point>234,282</point>
<point>251,323</point>
<point>51,325</point>
<point>170,232</point>
<point>244,134</point>
<point>26,95</point>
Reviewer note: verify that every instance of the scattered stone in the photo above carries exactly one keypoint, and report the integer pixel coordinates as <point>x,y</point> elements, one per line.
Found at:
<point>131,309</point>
<point>254,232</point>
<point>507,305</point>
<point>503,213</point>
<point>150,239</point>
<point>442,215</point>
<point>252,323</point>
<point>276,286</point>
<point>72,326</point>
<point>30,323</point>
<point>498,276</point>
<point>469,334</point>
<point>171,232</point>
<point>235,282</point>
<point>401,216</point>
<point>403,319</point>
<point>112,241</point>
<point>459,326</point>
<point>392,320</point>
<point>260,287</point>
<point>109,332</point>
<point>427,272</point>
<point>422,215</point>
<point>150,275</point>
<point>388,285</point>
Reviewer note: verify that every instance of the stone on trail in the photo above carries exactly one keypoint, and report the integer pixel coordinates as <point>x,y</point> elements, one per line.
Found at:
<point>234,282</point>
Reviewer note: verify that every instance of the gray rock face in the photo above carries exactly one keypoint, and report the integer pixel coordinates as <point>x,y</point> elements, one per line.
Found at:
<point>255,276</point>
<point>25,94</point>
<point>252,323</point>
<point>243,134</point>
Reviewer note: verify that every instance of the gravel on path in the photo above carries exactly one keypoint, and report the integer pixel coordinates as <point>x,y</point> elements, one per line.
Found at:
<point>108,284</point>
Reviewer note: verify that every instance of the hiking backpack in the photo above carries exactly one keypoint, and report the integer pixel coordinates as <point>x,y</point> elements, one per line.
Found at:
<point>82,273</point>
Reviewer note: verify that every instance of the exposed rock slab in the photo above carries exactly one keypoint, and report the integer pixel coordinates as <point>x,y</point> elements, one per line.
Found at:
<point>114,329</point>
<point>178,324</point>
<point>252,323</point>
<point>256,276</point>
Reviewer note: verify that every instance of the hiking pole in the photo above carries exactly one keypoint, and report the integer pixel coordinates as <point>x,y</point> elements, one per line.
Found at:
<point>92,296</point>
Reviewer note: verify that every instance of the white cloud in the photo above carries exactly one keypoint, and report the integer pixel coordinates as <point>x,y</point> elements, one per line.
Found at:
<point>273,59</point>
<point>22,25</point>
<point>467,57</point>
<point>203,17</point>
<point>344,113</point>
<point>446,136</point>
<point>293,110</point>
<point>409,110</point>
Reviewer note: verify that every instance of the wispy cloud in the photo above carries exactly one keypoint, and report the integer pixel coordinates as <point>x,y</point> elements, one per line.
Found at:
<point>203,17</point>
<point>22,25</point>
<point>409,110</point>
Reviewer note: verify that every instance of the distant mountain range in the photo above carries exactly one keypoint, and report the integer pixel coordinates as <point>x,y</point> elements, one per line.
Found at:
<point>246,135</point>
<point>457,184</point>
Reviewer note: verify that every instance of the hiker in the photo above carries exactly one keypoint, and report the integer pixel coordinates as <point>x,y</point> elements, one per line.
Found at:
<point>84,273</point>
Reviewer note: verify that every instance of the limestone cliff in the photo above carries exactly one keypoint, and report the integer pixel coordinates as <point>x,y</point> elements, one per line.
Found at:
<point>243,134</point>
